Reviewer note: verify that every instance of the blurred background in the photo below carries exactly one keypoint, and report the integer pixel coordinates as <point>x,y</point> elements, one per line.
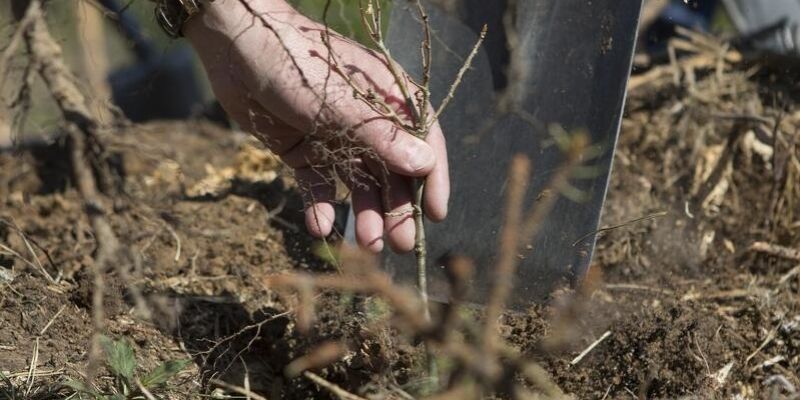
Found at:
<point>116,47</point>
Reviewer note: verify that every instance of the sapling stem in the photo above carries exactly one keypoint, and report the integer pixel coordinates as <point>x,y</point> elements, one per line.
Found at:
<point>422,119</point>
<point>420,247</point>
<point>421,253</point>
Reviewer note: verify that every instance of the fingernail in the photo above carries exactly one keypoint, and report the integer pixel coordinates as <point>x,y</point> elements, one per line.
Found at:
<point>376,246</point>
<point>420,157</point>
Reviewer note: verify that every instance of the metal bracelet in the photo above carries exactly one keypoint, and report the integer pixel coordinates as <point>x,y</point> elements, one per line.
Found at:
<point>171,15</point>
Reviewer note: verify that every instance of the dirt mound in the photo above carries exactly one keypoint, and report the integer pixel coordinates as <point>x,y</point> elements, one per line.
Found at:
<point>679,302</point>
<point>690,304</point>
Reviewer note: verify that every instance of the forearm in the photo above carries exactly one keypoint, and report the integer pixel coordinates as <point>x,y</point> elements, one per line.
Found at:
<point>274,53</point>
<point>230,18</point>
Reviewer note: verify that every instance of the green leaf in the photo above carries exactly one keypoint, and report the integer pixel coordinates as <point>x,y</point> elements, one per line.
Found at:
<point>81,388</point>
<point>9,386</point>
<point>164,372</point>
<point>120,357</point>
<point>77,386</point>
<point>325,252</point>
<point>5,379</point>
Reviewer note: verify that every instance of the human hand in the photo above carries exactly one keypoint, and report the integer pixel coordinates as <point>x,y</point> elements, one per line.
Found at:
<point>275,75</point>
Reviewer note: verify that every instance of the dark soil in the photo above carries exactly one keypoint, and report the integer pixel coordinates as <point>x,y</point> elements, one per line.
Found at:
<point>689,308</point>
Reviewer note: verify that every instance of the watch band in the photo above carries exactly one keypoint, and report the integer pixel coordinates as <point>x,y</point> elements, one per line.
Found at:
<point>171,15</point>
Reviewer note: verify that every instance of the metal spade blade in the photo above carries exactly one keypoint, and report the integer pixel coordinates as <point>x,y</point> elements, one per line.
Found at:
<point>569,67</point>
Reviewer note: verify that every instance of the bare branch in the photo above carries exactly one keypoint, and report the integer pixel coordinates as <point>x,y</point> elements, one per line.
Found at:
<point>457,82</point>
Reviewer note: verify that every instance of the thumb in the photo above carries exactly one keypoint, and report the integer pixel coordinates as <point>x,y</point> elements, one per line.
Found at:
<point>402,152</point>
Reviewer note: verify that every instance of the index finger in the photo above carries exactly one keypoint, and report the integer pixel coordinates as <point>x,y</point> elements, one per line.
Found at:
<point>437,184</point>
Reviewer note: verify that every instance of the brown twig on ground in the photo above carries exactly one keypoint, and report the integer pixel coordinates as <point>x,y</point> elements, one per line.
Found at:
<point>34,364</point>
<point>323,355</point>
<point>204,355</point>
<point>706,188</point>
<point>35,266</point>
<point>367,280</point>
<point>52,320</point>
<point>706,54</point>
<point>776,250</point>
<point>238,389</point>
<point>332,387</point>
<point>648,217</point>
<point>770,337</point>
<point>591,347</point>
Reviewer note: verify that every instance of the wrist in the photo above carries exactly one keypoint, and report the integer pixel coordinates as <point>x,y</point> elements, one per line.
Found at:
<point>230,37</point>
<point>228,16</point>
<point>171,15</point>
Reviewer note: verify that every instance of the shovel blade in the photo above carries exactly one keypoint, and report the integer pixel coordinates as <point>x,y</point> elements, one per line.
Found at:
<point>561,63</point>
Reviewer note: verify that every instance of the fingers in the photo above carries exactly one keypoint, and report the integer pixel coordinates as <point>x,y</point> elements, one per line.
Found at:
<point>437,184</point>
<point>396,203</point>
<point>399,218</point>
<point>367,208</point>
<point>319,192</point>
<point>382,202</point>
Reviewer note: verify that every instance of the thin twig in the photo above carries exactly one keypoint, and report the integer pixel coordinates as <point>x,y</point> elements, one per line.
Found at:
<point>146,393</point>
<point>177,241</point>
<point>237,389</point>
<point>33,366</point>
<point>457,82</point>
<point>35,256</point>
<point>47,326</point>
<point>518,177</point>
<point>38,373</point>
<point>655,215</point>
<point>591,347</point>
<point>605,395</point>
<point>789,275</point>
<point>532,222</point>
<point>11,252</point>
<point>770,337</point>
<point>246,378</point>
<point>29,241</point>
<point>427,61</point>
<point>631,286</point>
<point>776,250</point>
<point>320,357</point>
<point>331,387</point>
<point>372,281</point>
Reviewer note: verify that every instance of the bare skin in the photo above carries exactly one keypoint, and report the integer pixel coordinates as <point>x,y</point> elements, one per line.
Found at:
<point>273,73</point>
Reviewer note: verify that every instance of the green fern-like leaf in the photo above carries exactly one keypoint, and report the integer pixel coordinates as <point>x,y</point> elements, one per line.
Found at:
<point>120,357</point>
<point>164,373</point>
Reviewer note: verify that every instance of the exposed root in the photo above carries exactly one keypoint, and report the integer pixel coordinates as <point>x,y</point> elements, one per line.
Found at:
<point>86,153</point>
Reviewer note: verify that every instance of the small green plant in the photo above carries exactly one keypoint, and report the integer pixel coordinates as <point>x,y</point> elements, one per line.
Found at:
<point>127,384</point>
<point>7,389</point>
